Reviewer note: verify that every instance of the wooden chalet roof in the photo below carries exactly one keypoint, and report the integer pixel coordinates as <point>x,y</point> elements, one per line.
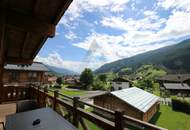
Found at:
<point>25,25</point>
<point>175,78</point>
<point>177,86</point>
<point>35,66</point>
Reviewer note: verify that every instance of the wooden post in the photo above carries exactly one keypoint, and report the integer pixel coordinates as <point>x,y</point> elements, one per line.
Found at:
<point>1,83</point>
<point>75,116</point>
<point>38,98</point>
<point>2,30</point>
<point>119,121</point>
<point>56,95</point>
<point>44,95</point>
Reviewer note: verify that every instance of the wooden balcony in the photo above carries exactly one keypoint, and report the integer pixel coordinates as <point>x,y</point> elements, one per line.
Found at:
<point>71,108</point>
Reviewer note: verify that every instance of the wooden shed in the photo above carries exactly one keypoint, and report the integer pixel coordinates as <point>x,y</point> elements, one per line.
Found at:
<point>133,101</point>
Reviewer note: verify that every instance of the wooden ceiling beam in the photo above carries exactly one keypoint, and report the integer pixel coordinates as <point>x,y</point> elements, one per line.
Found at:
<point>17,61</point>
<point>62,11</point>
<point>28,23</point>
<point>24,44</point>
<point>37,48</point>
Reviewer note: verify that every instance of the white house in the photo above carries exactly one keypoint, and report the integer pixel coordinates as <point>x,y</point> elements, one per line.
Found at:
<point>120,83</point>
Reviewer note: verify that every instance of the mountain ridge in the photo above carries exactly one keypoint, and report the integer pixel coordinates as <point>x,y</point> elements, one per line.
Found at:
<point>60,71</point>
<point>173,58</point>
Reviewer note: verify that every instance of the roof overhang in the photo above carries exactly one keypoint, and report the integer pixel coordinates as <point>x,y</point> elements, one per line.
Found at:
<point>25,25</point>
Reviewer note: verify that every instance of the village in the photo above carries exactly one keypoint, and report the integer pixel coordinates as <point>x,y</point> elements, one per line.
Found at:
<point>94,65</point>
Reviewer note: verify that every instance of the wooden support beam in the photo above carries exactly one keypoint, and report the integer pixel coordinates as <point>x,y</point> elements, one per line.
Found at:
<point>28,23</point>
<point>2,31</point>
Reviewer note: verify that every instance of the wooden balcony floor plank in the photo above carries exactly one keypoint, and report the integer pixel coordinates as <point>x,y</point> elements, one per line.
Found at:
<point>6,109</point>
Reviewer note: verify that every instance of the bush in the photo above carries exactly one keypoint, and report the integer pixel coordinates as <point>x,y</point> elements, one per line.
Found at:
<point>181,105</point>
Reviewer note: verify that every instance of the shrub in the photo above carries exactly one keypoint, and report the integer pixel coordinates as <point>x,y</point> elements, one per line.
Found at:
<point>181,105</point>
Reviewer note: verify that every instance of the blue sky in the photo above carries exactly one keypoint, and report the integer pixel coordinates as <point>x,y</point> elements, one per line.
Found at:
<point>95,32</point>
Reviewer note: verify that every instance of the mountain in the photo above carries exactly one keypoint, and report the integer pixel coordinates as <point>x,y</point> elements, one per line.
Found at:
<point>173,59</point>
<point>60,71</point>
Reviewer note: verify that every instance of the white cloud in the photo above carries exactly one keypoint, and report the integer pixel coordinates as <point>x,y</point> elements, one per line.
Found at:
<point>54,59</point>
<point>151,28</point>
<point>71,36</point>
<point>112,47</point>
<point>151,21</point>
<point>178,4</point>
<point>78,7</point>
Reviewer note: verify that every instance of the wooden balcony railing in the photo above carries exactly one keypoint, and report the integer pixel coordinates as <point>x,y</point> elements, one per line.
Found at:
<point>14,93</point>
<point>73,109</point>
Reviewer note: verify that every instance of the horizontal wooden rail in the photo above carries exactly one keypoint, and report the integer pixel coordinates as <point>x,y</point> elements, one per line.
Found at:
<point>97,107</point>
<point>142,123</point>
<point>98,120</point>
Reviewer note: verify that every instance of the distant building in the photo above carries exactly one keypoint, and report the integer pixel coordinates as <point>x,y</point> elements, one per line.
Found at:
<point>175,84</point>
<point>120,83</point>
<point>173,78</point>
<point>133,101</point>
<point>72,81</point>
<point>52,79</point>
<point>177,88</point>
<point>17,74</point>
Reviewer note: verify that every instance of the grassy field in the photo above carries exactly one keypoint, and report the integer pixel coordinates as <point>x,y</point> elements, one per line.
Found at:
<point>71,93</point>
<point>172,120</point>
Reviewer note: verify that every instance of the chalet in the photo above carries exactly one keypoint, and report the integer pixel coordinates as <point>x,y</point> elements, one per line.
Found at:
<point>175,84</point>
<point>177,88</point>
<point>173,78</point>
<point>36,72</point>
<point>133,101</point>
<point>120,83</point>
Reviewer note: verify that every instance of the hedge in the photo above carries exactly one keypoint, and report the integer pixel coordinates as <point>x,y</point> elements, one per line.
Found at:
<point>181,105</point>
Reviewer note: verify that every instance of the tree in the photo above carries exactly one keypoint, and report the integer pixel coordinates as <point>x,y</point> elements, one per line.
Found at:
<point>86,78</point>
<point>148,73</point>
<point>59,80</point>
<point>102,77</point>
<point>125,71</point>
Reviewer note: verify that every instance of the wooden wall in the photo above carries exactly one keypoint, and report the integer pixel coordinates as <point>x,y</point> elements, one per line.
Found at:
<point>23,76</point>
<point>111,102</point>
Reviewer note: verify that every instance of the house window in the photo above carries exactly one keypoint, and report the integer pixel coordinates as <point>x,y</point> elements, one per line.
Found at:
<point>32,76</point>
<point>14,76</point>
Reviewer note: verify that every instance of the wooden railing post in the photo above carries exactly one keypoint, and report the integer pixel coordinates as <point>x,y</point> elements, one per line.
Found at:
<point>75,116</point>
<point>44,96</point>
<point>56,94</point>
<point>38,98</point>
<point>119,120</point>
<point>45,89</point>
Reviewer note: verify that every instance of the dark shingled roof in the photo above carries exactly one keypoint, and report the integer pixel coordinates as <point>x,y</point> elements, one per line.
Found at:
<point>36,66</point>
<point>175,78</point>
<point>177,86</point>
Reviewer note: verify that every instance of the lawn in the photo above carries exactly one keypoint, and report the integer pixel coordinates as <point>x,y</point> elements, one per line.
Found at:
<point>172,120</point>
<point>71,93</point>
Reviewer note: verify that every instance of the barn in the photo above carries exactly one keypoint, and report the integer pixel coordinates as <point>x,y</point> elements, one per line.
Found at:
<point>133,101</point>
